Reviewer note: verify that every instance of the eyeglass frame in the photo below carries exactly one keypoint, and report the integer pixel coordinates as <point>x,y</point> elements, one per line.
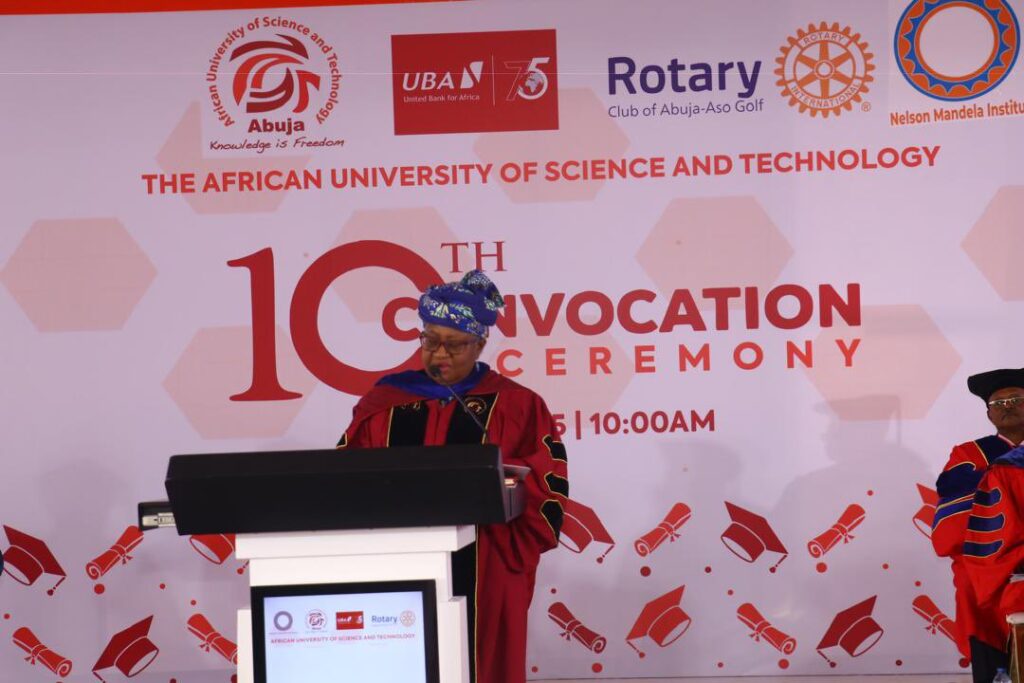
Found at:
<point>465,344</point>
<point>1008,402</point>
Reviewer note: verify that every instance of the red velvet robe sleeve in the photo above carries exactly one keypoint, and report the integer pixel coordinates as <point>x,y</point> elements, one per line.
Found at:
<point>956,486</point>
<point>528,436</point>
<point>994,544</point>
<point>368,428</point>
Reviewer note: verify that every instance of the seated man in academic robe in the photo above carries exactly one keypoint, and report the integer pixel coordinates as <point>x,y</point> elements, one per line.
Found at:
<point>981,626</point>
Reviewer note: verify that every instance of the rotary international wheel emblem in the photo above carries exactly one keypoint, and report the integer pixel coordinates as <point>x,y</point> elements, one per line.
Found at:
<point>824,69</point>
<point>1001,43</point>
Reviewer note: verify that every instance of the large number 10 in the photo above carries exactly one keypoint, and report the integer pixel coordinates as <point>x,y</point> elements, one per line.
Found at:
<point>304,315</point>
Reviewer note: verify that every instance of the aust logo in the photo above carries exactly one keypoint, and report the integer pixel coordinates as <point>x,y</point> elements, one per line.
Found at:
<point>316,620</point>
<point>274,75</point>
<point>825,69</point>
<point>956,49</point>
<point>254,85</point>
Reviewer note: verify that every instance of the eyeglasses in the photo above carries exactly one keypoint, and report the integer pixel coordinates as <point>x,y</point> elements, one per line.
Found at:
<point>1011,402</point>
<point>454,348</point>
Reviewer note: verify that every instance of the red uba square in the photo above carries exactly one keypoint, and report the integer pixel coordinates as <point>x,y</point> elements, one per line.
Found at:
<point>475,82</point>
<point>344,621</point>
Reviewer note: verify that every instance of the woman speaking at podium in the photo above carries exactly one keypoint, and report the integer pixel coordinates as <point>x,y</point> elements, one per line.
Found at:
<point>496,574</point>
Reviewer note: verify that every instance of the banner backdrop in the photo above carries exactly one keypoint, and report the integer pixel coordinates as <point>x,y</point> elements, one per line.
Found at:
<point>750,252</point>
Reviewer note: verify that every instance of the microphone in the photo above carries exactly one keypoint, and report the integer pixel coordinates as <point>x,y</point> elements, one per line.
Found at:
<point>435,374</point>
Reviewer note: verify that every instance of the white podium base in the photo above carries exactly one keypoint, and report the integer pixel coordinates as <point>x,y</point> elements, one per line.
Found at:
<point>364,555</point>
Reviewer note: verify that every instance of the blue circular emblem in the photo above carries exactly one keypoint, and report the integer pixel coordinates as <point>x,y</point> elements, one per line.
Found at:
<point>927,79</point>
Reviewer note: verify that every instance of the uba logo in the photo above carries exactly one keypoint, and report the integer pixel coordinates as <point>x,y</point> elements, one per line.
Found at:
<point>425,81</point>
<point>275,75</point>
<point>344,621</point>
<point>475,82</point>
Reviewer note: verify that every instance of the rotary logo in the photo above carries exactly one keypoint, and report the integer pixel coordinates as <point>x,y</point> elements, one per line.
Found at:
<point>273,75</point>
<point>824,69</point>
<point>956,49</point>
<point>408,618</point>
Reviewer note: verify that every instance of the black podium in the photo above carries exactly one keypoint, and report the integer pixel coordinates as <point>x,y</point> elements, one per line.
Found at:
<point>349,551</point>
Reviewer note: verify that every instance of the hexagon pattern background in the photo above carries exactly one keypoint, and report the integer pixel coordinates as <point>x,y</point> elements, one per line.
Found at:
<point>127,333</point>
<point>182,152</point>
<point>994,240</point>
<point>707,242</point>
<point>901,364</point>
<point>78,274</point>
<point>216,365</point>
<point>422,229</point>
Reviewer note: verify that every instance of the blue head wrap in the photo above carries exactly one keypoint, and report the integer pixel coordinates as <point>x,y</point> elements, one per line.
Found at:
<point>470,305</point>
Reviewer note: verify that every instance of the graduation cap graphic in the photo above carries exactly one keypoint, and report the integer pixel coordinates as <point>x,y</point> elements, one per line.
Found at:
<point>853,629</point>
<point>130,651</point>
<point>750,535</point>
<point>662,620</point>
<point>581,526</point>
<point>926,515</point>
<point>28,558</point>
<point>216,548</point>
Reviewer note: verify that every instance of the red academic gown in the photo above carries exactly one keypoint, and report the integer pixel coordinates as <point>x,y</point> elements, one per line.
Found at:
<point>994,544</point>
<point>496,573</point>
<point>956,487</point>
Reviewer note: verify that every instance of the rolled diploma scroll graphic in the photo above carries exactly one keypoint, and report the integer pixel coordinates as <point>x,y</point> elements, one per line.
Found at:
<point>574,628</point>
<point>763,630</point>
<point>848,521</point>
<point>667,530</point>
<point>201,628</point>
<point>37,652</point>
<point>118,552</point>
<point>937,621</point>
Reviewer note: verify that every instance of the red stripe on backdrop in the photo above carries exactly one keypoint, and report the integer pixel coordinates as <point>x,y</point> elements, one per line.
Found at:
<point>122,6</point>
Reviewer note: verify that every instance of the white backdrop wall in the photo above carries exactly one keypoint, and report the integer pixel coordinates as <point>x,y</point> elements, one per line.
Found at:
<point>828,255</point>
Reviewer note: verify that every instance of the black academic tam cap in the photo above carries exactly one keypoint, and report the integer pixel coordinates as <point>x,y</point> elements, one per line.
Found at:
<point>984,384</point>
